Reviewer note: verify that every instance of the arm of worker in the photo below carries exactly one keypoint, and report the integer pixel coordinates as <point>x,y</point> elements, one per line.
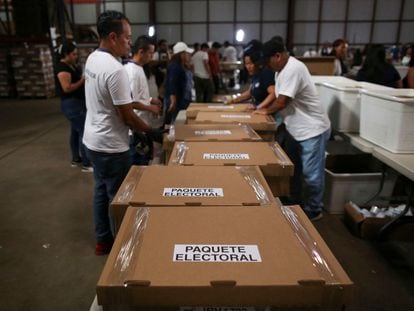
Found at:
<point>278,103</point>
<point>151,108</point>
<point>411,77</point>
<point>269,98</point>
<point>173,103</point>
<point>207,66</point>
<point>65,81</point>
<point>241,98</point>
<point>129,117</point>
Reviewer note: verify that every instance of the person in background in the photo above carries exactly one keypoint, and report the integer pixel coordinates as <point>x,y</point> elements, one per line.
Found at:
<point>214,62</point>
<point>407,55</point>
<point>376,69</point>
<point>310,53</point>
<point>159,64</point>
<point>339,51</point>
<point>262,88</point>
<point>202,75</point>
<point>306,122</point>
<point>409,78</point>
<point>325,50</point>
<point>196,47</point>
<point>177,90</point>
<point>230,55</point>
<point>109,117</point>
<point>145,107</point>
<point>71,87</point>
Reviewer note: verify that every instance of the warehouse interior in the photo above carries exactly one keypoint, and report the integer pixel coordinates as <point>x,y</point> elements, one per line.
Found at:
<point>47,259</point>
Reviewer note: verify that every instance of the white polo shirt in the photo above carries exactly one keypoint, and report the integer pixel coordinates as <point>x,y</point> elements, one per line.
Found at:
<point>304,115</point>
<point>106,87</point>
<point>198,60</point>
<point>139,89</point>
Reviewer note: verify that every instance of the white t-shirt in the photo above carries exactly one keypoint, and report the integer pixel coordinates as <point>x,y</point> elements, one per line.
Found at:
<point>304,115</point>
<point>106,87</point>
<point>230,54</point>
<point>198,60</point>
<point>164,56</point>
<point>337,67</point>
<point>139,89</point>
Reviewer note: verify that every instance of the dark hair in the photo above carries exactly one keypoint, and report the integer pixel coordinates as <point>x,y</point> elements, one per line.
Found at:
<point>375,64</point>
<point>110,21</point>
<point>272,47</point>
<point>65,49</point>
<point>162,41</point>
<point>141,43</point>
<point>216,45</point>
<point>226,43</point>
<point>335,44</point>
<point>204,46</point>
<point>254,51</point>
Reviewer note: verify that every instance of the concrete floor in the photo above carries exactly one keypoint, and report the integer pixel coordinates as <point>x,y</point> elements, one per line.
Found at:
<point>47,259</point>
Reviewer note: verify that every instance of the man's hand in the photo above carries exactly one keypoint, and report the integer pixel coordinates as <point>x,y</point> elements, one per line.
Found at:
<point>251,107</point>
<point>260,111</point>
<point>154,109</point>
<point>156,101</point>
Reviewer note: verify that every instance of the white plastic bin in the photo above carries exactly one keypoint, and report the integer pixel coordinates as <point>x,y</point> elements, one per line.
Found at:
<point>353,178</point>
<point>387,119</point>
<point>342,103</point>
<point>318,80</point>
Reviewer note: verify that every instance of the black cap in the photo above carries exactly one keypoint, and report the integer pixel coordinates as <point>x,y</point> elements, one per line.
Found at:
<point>254,51</point>
<point>272,47</point>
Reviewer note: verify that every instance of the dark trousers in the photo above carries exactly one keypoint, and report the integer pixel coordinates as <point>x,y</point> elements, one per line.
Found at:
<point>204,90</point>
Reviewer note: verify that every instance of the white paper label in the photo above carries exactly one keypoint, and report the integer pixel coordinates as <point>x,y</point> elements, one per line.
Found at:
<point>220,107</point>
<point>213,132</point>
<point>224,309</point>
<point>226,156</point>
<point>235,116</point>
<point>216,253</point>
<point>193,192</point>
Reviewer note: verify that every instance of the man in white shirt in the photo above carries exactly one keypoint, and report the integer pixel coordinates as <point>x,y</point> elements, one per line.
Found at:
<point>109,116</point>
<point>145,107</point>
<point>202,75</point>
<point>230,55</point>
<point>307,123</point>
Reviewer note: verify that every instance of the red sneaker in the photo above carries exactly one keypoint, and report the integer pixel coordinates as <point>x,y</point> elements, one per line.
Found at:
<point>103,248</point>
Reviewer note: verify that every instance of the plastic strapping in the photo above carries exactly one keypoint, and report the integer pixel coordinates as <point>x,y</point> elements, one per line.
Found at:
<point>280,154</point>
<point>310,245</point>
<point>249,131</point>
<point>128,190</point>
<point>250,175</point>
<point>180,153</point>
<point>130,248</point>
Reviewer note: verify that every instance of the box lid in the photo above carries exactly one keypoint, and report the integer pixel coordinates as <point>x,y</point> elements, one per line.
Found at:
<point>221,256</point>
<point>272,160</point>
<point>195,108</point>
<point>353,86</point>
<point>404,96</point>
<point>200,185</point>
<point>215,132</point>
<point>257,121</point>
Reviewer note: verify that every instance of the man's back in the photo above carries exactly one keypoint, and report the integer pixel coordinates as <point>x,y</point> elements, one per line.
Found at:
<point>198,60</point>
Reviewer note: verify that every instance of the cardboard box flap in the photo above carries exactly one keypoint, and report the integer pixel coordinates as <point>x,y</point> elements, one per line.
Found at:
<point>269,156</point>
<point>195,108</point>
<point>256,121</point>
<point>216,132</point>
<point>200,185</point>
<point>217,257</point>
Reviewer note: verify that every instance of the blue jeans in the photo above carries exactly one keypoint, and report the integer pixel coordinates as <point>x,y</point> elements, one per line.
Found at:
<point>75,111</point>
<point>308,156</point>
<point>109,170</point>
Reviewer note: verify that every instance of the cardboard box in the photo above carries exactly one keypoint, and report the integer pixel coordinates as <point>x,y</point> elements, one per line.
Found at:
<point>234,256</point>
<point>195,108</point>
<point>369,227</point>
<point>319,66</point>
<point>264,125</point>
<point>272,160</point>
<point>208,132</point>
<point>192,186</point>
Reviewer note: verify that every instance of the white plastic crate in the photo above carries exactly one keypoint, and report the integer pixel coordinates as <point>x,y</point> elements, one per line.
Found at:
<point>387,119</point>
<point>342,103</point>
<point>318,80</point>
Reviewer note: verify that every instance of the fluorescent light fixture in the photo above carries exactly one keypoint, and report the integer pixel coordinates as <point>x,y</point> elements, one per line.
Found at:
<point>151,31</point>
<point>240,35</point>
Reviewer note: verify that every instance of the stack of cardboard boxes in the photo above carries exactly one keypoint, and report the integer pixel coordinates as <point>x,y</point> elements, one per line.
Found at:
<point>207,233</point>
<point>33,71</point>
<point>4,74</point>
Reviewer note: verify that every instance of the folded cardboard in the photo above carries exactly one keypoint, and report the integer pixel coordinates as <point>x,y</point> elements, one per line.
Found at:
<point>235,256</point>
<point>319,66</point>
<point>272,160</point>
<point>208,132</point>
<point>194,186</point>
<point>369,227</point>
<point>195,108</point>
<point>258,122</point>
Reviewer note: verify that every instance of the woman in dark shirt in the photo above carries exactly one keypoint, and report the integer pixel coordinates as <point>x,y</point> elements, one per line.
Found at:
<point>408,81</point>
<point>377,70</point>
<point>71,88</point>
<point>177,90</point>
<point>262,88</point>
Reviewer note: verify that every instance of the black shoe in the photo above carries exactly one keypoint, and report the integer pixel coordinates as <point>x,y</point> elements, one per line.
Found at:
<point>76,163</point>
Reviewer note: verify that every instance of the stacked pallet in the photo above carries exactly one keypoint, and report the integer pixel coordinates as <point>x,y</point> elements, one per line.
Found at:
<point>4,74</point>
<point>33,71</point>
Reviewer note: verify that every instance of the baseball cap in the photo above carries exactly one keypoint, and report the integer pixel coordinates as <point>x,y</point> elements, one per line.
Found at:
<point>182,47</point>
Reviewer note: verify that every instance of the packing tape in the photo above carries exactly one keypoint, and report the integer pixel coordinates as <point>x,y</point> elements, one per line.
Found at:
<point>180,153</point>
<point>249,174</point>
<point>249,131</point>
<point>280,154</point>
